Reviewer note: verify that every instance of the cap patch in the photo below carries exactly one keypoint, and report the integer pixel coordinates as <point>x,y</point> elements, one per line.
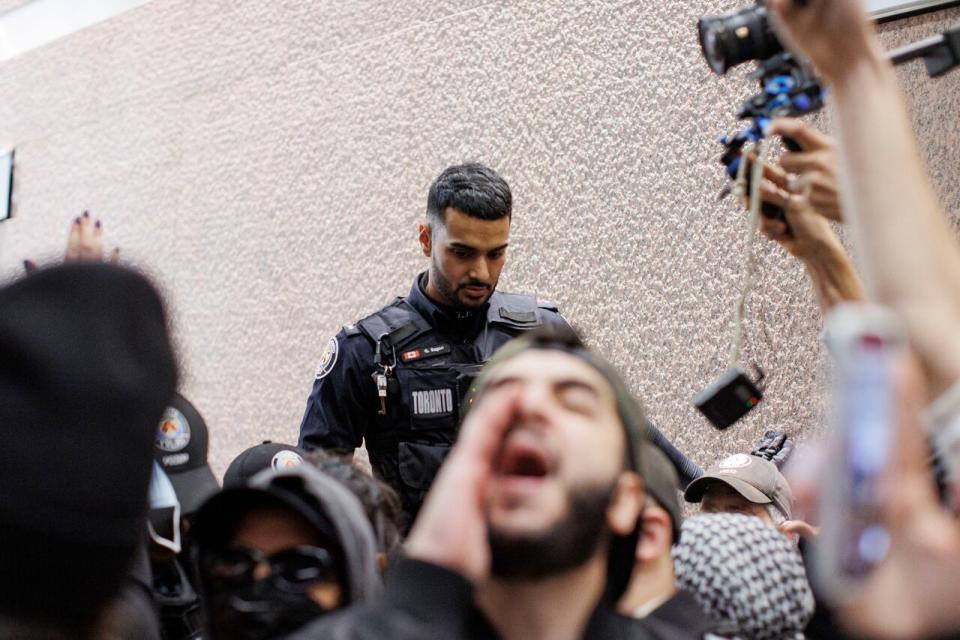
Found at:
<point>737,461</point>
<point>173,434</point>
<point>328,358</point>
<point>285,460</point>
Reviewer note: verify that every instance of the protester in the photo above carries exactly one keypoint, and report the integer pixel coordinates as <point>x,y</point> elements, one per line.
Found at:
<point>744,573</point>
<point>286,548</point>
<point>267,455</point>
<point>531,528</point>
<point>653,589</point>
<point>745,484</point>
<point>86,368</point>
<point>910,263</point>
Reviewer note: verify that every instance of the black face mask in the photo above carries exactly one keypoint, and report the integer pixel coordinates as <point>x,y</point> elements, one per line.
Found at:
<point>260,611</point>
<point>241,608</point>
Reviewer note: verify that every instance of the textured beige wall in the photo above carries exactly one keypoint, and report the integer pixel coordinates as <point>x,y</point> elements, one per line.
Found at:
<point>268,162</point>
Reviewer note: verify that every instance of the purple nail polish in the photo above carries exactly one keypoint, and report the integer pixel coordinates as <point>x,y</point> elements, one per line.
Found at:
<point>76,220</point>
<point>86,214</point>
<point>97,225</point>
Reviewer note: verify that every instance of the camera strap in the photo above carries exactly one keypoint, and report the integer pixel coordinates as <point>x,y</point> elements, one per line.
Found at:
<point>760,152</point>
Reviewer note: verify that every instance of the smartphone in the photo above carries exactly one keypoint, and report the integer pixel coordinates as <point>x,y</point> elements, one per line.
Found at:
<point>6,184</point>
<point>867,343</point>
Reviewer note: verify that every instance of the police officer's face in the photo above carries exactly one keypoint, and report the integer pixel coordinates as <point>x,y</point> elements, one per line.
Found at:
<point>567,437</point>
<point>467,255</point>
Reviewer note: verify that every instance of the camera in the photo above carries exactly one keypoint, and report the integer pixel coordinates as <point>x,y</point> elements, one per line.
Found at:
<point>734,38</point>
<point>788,87</point>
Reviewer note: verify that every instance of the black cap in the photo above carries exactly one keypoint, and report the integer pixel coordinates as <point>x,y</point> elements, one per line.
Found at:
<point>181,446</point>
<point>86,368</point>
<point>268,455</point>
<point>219,516</point>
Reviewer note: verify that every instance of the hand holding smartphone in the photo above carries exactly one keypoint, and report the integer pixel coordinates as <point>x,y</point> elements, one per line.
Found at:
<point>867,343</point>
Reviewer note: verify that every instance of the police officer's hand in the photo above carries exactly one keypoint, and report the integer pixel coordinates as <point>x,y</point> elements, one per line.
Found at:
<point>834,34</point>
<point>813,170</point>
<point>451,529</point>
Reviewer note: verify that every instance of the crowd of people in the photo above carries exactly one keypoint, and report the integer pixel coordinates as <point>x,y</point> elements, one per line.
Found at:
<point>515,488</point>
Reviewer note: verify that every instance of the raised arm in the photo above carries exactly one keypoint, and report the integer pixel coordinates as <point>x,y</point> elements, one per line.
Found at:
<point>907,251</point>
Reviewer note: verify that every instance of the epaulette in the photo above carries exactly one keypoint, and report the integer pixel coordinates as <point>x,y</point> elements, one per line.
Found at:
<point>396,323</point>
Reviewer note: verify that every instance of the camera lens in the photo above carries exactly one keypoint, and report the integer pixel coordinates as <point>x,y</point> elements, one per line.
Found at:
<point>731,39</point>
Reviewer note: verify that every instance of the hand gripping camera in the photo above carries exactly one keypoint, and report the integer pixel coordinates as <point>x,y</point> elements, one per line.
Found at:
<point>788,86</point>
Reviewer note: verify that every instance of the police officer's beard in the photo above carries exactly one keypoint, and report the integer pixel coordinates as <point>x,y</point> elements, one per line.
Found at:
<point>446,289</point>
<point>568,544</point>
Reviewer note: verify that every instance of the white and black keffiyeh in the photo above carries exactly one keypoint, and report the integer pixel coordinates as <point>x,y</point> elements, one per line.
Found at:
<point>744,572</point>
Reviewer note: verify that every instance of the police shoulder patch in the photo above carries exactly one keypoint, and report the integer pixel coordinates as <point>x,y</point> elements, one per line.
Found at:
<point>328,358</point>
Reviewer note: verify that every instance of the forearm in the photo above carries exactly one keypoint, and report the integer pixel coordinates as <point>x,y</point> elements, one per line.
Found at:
<point>834,278</point>
<point>906,248</point>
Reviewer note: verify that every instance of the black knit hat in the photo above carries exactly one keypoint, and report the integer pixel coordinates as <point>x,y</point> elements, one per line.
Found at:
<point>86,368</point>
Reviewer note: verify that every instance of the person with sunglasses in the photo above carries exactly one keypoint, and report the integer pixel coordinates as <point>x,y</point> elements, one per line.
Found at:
<point>281,551</point>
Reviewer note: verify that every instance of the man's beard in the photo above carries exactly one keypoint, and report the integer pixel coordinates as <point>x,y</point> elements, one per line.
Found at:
<point>448,291</point>
<point>568,544</point>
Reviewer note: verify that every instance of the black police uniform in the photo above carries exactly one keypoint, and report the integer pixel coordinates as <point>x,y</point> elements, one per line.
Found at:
<point>399,376</point>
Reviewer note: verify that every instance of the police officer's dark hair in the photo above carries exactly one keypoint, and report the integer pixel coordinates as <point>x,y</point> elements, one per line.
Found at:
<point>474,189</point>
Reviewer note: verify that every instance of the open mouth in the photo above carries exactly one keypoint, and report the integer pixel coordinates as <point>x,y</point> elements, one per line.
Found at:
<point>523,456</point>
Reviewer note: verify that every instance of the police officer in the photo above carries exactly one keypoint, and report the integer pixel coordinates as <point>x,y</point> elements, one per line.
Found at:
<point>399,376</point>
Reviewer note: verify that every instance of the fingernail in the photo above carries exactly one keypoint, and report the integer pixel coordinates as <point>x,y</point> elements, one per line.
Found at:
<point>97,225</point>
<point>86,214</point>
<point>76,220</point>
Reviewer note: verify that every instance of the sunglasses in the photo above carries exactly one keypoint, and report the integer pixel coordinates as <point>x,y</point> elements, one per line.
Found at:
<point>292,570</point>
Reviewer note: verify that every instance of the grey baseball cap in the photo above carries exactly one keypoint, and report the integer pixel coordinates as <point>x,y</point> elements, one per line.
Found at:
<point>756,479</point>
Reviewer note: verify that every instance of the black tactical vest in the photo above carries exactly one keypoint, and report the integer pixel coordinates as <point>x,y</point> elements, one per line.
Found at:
<point>428,377</point>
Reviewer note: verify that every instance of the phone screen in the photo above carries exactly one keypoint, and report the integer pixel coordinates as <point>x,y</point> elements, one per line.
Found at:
<point>868,417</point>
<point>6,183</point>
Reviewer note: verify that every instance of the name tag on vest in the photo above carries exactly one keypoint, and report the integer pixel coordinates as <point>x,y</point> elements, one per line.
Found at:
<point>432,402</point>
<point>419,354</point>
